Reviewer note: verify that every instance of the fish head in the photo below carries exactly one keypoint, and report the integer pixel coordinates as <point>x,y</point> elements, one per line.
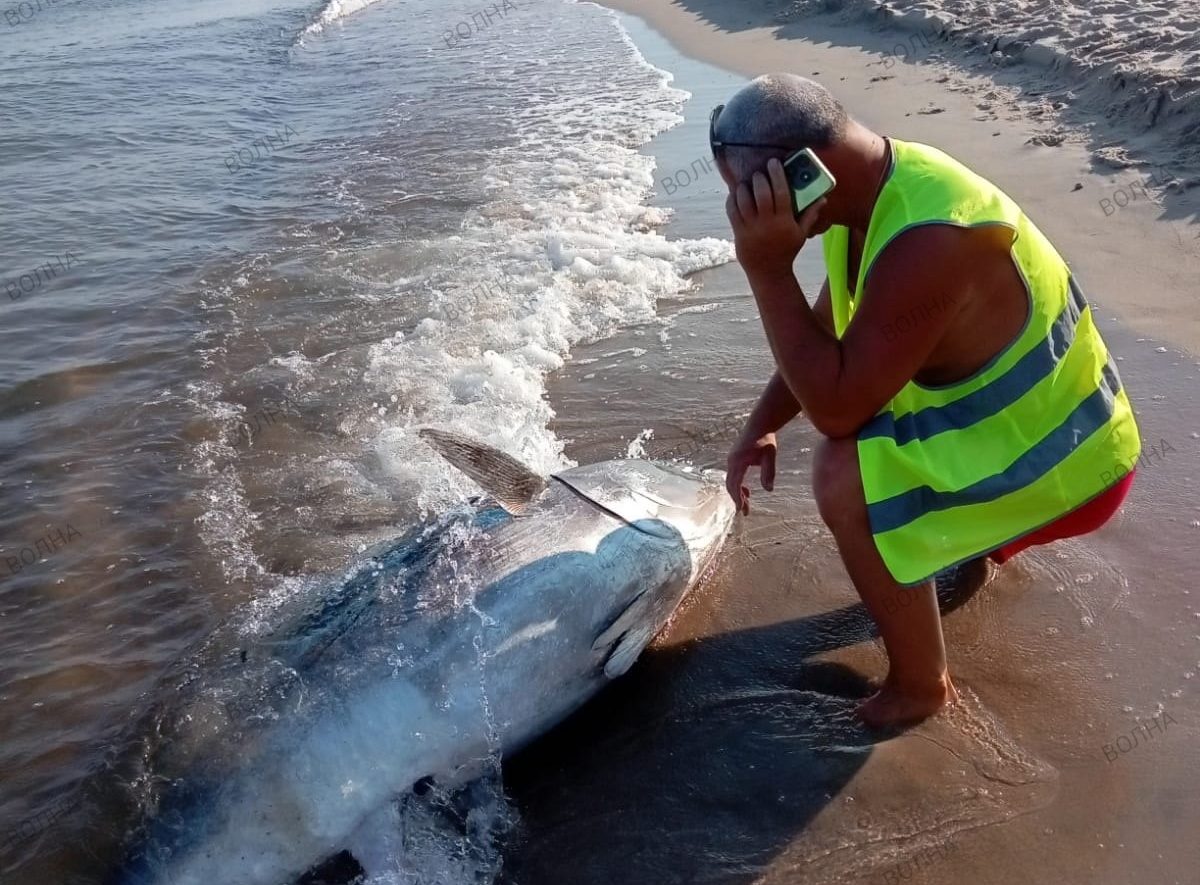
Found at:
<point>669,500</point>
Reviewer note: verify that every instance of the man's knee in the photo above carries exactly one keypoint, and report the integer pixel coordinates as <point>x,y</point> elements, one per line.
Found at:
<point>837,484</point>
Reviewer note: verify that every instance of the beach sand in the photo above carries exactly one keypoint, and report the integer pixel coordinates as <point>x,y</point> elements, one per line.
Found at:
<point>731,754</point>
<point>1025,126</point>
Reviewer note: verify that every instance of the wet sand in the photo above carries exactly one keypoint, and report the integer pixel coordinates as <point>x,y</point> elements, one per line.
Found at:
<point>730,753</point>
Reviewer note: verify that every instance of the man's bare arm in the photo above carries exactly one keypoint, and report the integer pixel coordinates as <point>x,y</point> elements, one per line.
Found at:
<point>908,304</point>
<point>777,406</point>
<point>839,383</point>
<point>842,383</point>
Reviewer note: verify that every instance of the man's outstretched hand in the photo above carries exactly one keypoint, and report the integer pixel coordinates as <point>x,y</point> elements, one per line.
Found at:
<point>745,454</point>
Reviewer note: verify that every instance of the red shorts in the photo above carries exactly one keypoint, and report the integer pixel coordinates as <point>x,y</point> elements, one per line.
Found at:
<point>1080,521</point>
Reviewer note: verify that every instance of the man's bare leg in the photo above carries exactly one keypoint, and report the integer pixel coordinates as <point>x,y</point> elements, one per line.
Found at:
<point>918,681</point>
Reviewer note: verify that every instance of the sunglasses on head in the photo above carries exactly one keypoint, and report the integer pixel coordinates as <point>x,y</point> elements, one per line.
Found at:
<point>716,145</point>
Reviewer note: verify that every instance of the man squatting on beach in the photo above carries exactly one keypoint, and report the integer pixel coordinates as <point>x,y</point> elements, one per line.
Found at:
<point>968,406</point>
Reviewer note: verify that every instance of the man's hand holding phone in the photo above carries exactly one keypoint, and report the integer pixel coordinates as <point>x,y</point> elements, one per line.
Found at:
<point>767,234</point>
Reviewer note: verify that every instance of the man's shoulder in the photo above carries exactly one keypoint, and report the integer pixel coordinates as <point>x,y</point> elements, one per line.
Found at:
<point>940,249</point>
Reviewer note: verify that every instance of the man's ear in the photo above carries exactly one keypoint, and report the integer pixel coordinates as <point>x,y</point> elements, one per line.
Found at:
<point>726,173</point>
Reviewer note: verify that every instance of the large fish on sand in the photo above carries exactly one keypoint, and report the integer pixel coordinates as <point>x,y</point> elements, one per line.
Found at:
<point>465,639</point>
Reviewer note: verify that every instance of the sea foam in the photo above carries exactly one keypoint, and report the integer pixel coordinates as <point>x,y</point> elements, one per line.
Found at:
<point>564,251</point>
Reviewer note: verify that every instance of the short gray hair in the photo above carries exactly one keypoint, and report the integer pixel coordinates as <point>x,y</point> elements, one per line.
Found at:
<point>782,109</point>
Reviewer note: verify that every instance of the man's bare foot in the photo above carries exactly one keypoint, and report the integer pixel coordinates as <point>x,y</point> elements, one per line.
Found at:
<point>897,705</point>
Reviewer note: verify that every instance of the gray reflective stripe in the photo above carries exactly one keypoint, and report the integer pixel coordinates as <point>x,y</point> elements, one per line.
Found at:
<point>993,398</point>
<point>1088,417</point>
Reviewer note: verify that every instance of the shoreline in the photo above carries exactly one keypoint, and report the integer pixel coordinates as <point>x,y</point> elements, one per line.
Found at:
<point>743,706</point>
<point>1123,84</point>
<point>1012,124</point>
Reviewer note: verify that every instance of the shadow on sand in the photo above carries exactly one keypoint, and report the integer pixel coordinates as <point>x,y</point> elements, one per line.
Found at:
<point>704,765</point>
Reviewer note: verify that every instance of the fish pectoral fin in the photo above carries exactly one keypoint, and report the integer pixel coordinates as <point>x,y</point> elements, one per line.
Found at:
<point>511,483</point>
<point>637,612</point>
<point>627,636</point>
<point>628,650</point>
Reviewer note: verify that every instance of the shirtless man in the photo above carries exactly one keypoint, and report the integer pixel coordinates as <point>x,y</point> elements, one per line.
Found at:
<point>967,404</point>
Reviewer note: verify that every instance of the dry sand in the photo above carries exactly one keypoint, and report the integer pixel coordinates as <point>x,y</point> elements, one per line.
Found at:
<point>1137,62</point>
<point>1025,126</point>
<point>731,754</point>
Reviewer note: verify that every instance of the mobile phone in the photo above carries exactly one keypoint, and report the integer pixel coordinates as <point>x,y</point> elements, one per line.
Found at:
<point>809,179</point>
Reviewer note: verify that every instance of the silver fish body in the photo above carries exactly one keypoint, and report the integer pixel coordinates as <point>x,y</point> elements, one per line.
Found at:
<point>461,642</point>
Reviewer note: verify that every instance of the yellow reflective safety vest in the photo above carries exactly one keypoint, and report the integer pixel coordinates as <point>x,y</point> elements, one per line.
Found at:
<point>956,471</point>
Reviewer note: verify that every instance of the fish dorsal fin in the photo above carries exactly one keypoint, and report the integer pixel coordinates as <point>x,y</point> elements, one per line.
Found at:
<point>502,476</point>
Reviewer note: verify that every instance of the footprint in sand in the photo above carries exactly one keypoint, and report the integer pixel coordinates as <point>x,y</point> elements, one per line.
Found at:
<point>911,794</point>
